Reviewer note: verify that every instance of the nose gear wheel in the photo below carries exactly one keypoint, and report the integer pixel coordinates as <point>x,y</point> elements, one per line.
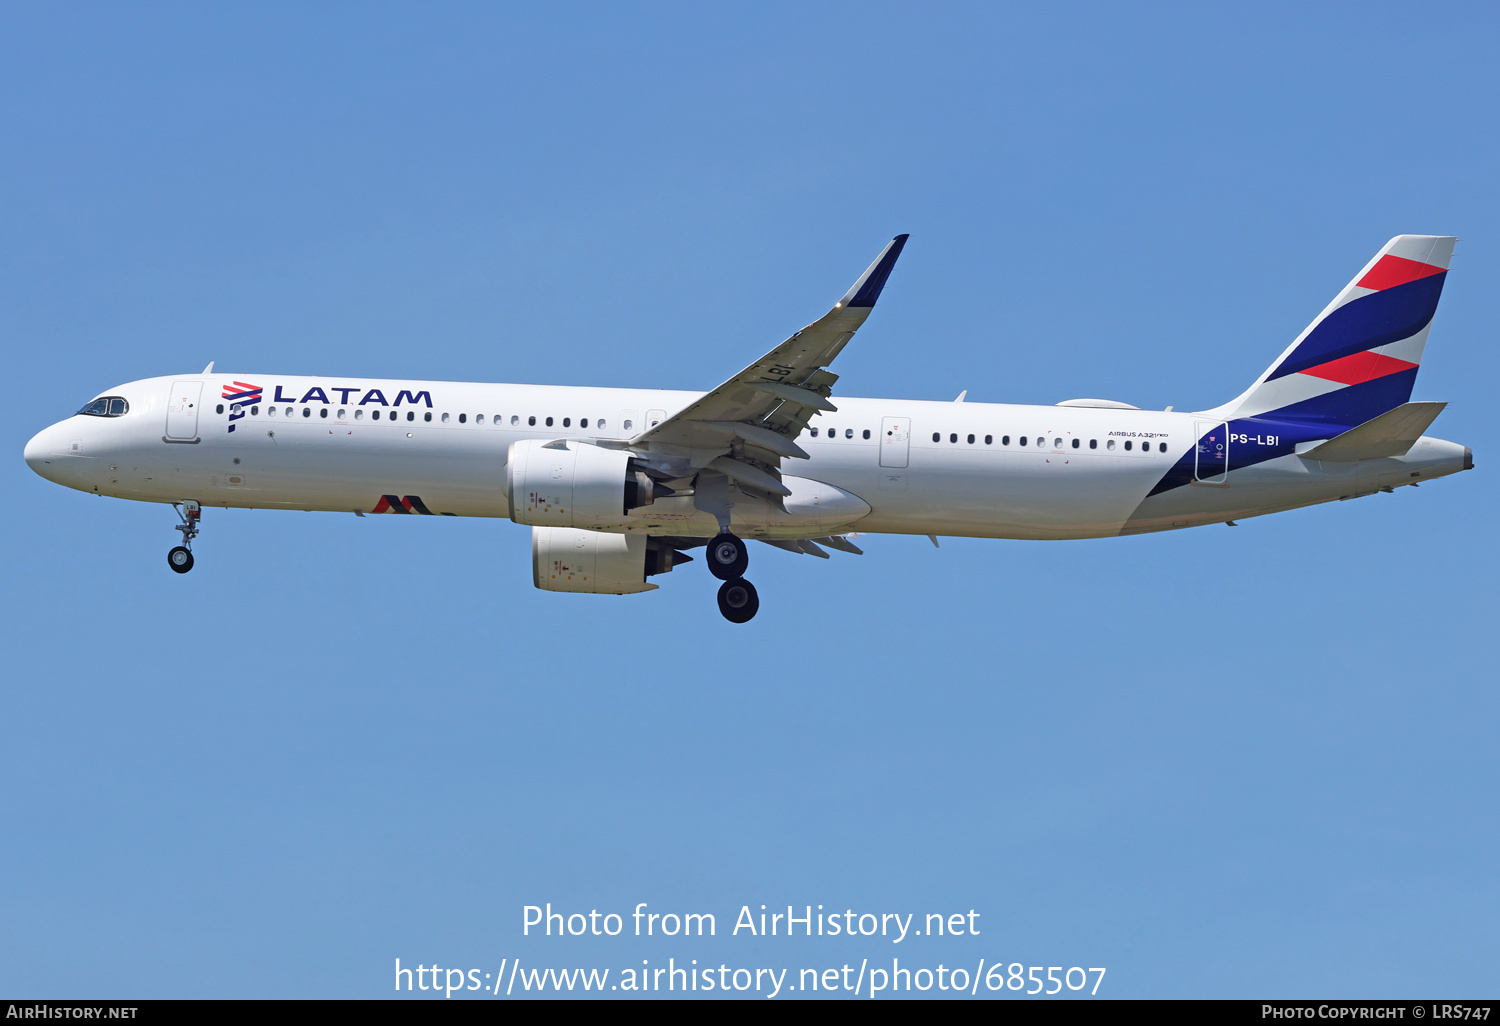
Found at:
<point>180,559</point>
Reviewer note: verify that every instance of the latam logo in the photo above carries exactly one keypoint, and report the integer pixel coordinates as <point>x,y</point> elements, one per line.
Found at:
<point>241,395</point>
<point>403,504</point>
<point>317,394</point>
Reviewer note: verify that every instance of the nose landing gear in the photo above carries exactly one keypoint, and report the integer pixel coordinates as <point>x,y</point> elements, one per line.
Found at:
<point>180,559</point>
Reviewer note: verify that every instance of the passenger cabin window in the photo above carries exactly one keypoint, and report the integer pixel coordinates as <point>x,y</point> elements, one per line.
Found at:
<point>567,422</point>
<point>584,422</point>
<point>813,432</point>
<point>936,437</point>
<point>848,432</point>
<point>953,437</point>
<point>1076,441</point>
<point>1005,439</point>
<point>1022,439</point>
<point>867,432</point>
<point>445,418</point>
<point>1110,444</point>
<point>1127,445</point>
<point>549,421</point>
<point>1093,443</point>
<point>307,411</point>
<point>971,439</point>
<point>989,439</point>
<point>463,418</point>
<point>323,413</point>
<point>110,406</point>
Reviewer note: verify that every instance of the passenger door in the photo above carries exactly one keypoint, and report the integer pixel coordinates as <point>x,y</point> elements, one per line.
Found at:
<point>182,411</point>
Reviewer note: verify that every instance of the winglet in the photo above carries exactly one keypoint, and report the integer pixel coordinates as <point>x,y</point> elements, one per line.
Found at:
<point>867,289</point>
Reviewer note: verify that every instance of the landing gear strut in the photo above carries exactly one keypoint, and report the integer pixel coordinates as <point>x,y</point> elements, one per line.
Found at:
<point>180,559</point>
<point>738,600</point>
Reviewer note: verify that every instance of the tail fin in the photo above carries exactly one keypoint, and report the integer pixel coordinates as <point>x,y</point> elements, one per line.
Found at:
<point>1359,358</point>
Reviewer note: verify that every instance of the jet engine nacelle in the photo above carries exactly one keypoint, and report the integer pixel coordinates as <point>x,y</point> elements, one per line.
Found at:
<point>568,559</point>
<point>572,484</point>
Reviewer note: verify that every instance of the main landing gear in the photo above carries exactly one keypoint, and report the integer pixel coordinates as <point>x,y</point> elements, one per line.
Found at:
<point>738,600</point>
<point>727,559</point>
<point>180,559</point>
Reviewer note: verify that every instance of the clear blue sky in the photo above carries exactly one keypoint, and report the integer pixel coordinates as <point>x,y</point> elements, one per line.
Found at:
<point>1217,762</point>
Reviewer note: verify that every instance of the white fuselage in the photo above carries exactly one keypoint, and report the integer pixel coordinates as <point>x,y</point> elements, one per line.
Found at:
<point>877,465</point>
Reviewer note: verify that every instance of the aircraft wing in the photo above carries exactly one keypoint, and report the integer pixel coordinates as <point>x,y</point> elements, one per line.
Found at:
<point>750,422</point>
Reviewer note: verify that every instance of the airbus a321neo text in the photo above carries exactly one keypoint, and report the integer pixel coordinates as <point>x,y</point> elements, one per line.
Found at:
<point>617,484</point>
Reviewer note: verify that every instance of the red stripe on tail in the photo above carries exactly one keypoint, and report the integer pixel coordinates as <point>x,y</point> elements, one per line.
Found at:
<point>1361,367</point>
<point>1391,271</point>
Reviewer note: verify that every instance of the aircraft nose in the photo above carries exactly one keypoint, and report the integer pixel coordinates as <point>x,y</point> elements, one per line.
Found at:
<point>39,452</point>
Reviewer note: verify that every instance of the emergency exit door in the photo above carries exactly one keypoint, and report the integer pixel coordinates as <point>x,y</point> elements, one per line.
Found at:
<point>182,411</point>
<point>895,441</point>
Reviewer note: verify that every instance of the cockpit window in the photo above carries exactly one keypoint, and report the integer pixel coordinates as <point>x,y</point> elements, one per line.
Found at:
<point>106,406</point>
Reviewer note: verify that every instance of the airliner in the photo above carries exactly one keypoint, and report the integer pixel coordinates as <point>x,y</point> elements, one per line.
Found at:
<point>618,485</point>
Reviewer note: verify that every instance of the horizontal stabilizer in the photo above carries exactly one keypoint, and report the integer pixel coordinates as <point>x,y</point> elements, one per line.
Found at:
<point>1390,434</point>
